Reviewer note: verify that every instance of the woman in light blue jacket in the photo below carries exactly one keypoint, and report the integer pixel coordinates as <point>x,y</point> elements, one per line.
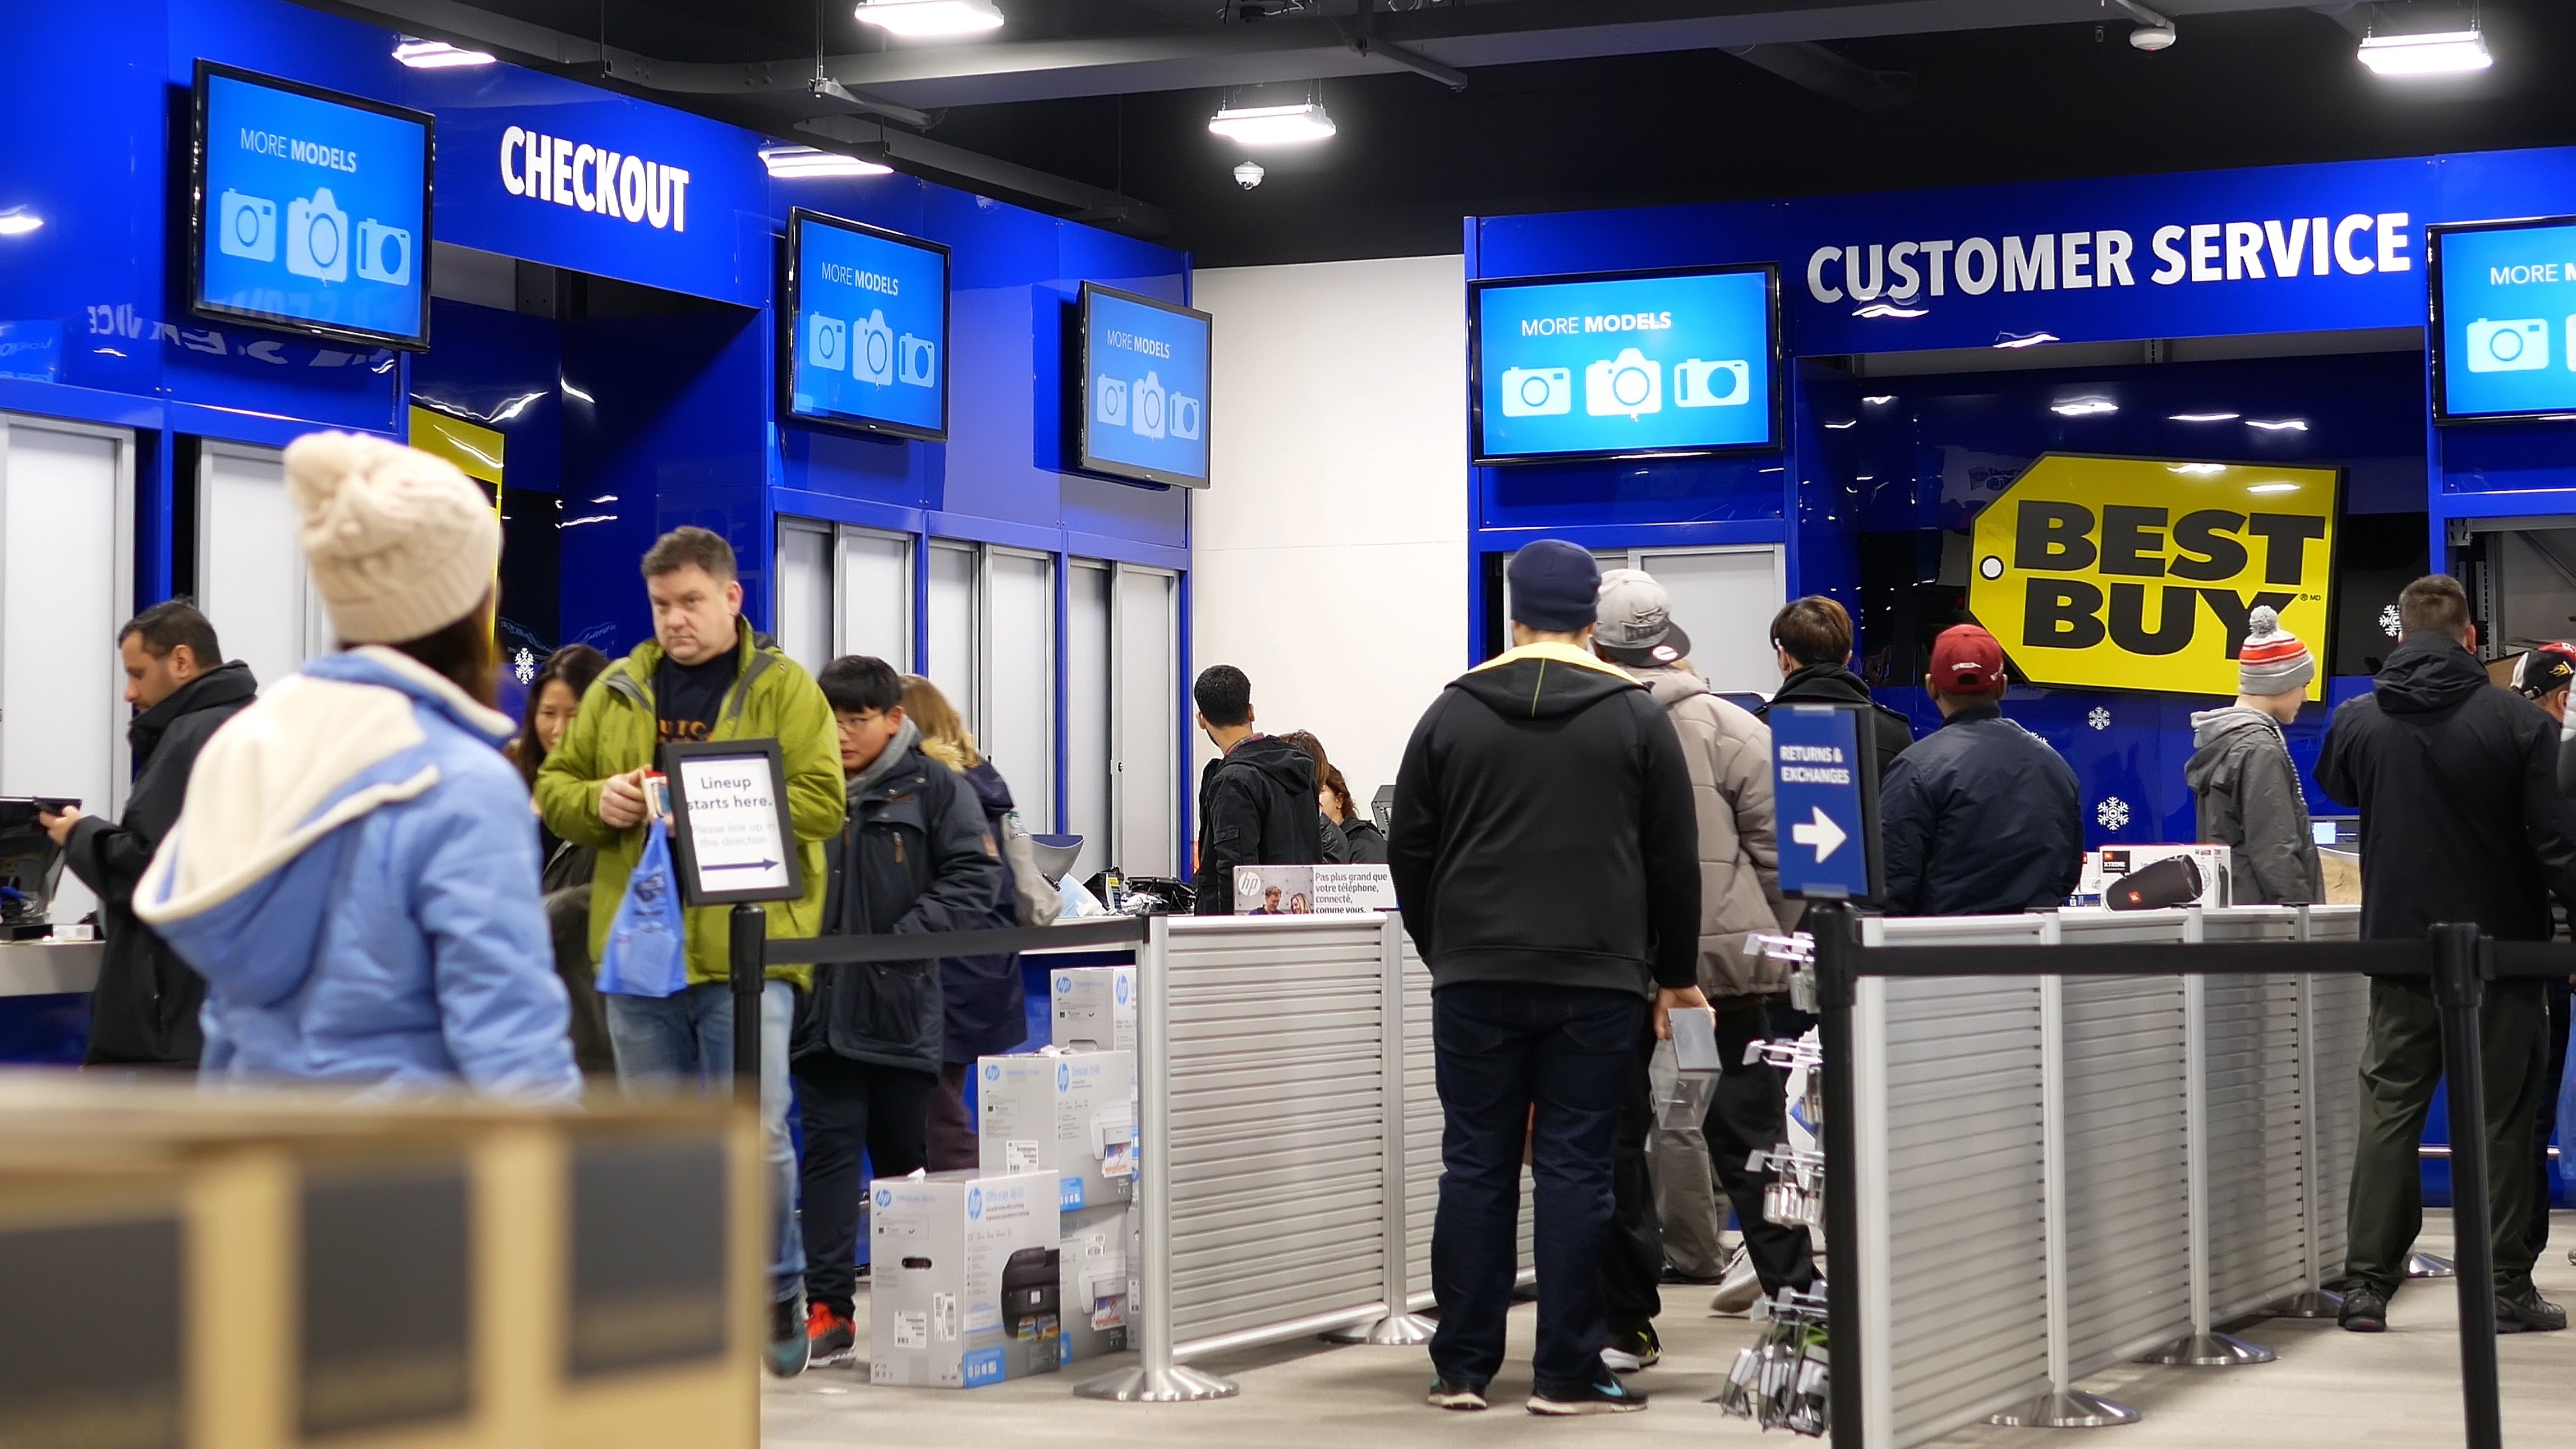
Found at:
<point>354,872</point>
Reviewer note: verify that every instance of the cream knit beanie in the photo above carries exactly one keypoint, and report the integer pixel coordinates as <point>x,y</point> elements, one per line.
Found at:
<point>399,542</point>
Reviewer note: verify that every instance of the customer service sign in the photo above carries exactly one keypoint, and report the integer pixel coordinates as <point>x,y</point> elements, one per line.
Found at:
<point>2140,573</point>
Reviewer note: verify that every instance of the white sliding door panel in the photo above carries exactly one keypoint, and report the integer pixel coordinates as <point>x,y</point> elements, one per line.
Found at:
<point>1019,726</point>
<point>952,629</point>
<point>1146,707</point>
<point>804,605</point>
<point>1724,599</point>
<point>251,582</point>
<point>874,598</point>
<point>1088,762</point>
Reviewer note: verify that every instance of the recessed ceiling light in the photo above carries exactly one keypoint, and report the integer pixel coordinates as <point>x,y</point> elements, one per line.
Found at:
<point>2083,407</point>
<point>798,162</point>
<point>2278,425</point>
<point>1273,125</point>
<point>2273,488</point>
<point>437,55</point>
<point>1880,400</point>
<point>2439,52</point>
<point>2205,417</point>
<point>2031,339</point>
<point>929,17</point>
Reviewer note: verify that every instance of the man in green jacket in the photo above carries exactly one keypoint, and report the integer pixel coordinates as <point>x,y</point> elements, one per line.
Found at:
<point>703,676</point>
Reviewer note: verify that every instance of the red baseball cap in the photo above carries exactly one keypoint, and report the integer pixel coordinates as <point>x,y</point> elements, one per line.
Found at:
<point>1967,660</point>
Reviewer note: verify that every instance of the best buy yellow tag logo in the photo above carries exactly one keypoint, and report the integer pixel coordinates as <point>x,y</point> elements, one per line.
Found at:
<point>2138,573</point>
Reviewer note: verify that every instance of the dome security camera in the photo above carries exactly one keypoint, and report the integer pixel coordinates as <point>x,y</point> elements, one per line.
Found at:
<point>2152,38</point>
<point>1248,175</point>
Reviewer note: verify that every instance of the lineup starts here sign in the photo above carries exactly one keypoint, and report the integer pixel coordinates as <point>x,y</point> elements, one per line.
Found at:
<point>2138,573</point>
<point>733,824</point>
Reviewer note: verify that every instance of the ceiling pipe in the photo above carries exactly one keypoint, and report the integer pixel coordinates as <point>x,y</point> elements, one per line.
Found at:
<point>1830,74</point>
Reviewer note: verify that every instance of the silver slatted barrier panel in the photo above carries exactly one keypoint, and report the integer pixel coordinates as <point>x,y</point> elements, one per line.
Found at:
<point>2338,1012</point>
<point>2260,1207</point>
<point>1278,1099</point>
<point>1422,1135</point>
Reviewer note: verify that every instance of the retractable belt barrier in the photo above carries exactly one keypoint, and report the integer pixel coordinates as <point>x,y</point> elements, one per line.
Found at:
<point>2162,1101</point>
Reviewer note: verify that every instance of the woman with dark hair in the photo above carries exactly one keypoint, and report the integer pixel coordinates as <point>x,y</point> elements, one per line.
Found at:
<point>984,1004</point>
<point>1350,836</point>
<point>352,872</point>
<point>554,697</point>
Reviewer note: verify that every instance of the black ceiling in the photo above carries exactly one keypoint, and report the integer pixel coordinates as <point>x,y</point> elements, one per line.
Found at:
<point>2251,87</point>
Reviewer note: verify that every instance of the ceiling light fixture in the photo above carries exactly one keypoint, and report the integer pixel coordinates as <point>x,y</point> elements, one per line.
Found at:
<point>2205,417</point>
<point>2439,52</point>
<point>1890,309</point>
<point>18,221</point>
<point>796,163</point>
<point>2278,425</point>
<point>437,55</point>
<point>2011,339</point>
<point>1274,125</point>
<point>1879,400</point>
<point>930,17</point>
<point>2083,407</point>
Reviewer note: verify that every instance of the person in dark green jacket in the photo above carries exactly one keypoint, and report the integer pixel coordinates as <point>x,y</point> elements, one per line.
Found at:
<point>705,675</point>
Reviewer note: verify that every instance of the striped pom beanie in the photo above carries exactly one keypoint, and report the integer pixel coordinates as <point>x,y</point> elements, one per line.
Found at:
<point>2273,660</point>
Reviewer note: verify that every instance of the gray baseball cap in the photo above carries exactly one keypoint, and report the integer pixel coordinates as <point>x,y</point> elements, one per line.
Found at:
<point>1636,620</point>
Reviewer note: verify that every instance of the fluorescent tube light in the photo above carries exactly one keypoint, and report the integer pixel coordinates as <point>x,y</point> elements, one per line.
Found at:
<point>2083,407</point>
<point>2205,417</point>
<point>2440,52</point>
<point>2278,425</point>
<point>799,162</point>
<point>437,55</point>
<point>930,17</point>
<point>1273,125</point>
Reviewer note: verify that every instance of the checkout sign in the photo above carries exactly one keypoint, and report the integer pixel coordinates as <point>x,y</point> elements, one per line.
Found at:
<point>2136,573</point>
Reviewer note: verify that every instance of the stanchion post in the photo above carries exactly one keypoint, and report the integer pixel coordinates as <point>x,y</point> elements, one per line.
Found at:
<point>747,971</point>
<point>1832,923</point>
<point>2458,990</point>
<point>1155,1379</point>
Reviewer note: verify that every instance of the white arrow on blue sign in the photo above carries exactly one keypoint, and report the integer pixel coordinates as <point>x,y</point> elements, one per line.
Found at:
<point>1821,788</point>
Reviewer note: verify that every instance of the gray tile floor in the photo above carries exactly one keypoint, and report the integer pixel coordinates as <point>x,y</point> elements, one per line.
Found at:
<point>2329,1388</point>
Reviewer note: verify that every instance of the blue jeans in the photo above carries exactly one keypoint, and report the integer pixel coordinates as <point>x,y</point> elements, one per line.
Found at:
<point>666,1043</point>
<point>1504,1049</point>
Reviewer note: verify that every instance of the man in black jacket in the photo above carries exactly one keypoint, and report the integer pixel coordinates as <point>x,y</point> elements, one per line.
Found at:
<point>2461,821</point>
<point>1546,860</point>
<point>913,857</point>
<point>1813,639</point>
<point>143,1012</point>
<point>1982,817</point>
<point>1256,799</point>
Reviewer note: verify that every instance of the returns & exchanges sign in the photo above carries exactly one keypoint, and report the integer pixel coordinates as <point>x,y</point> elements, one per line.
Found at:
<point>2138,573</point>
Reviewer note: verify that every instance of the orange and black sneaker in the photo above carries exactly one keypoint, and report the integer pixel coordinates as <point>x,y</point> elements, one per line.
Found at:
<point>830,1337</point>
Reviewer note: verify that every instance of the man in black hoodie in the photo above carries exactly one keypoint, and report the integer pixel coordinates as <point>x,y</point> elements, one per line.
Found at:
<point>143,1012</point>
<point>1813,639</point>
<point>1256,799</point>
<point>1546,860</point>
<point>2461,821</point>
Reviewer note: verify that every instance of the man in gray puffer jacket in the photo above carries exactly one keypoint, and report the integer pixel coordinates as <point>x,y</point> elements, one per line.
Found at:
<point>1729,755</point>
<point>2243,777</point>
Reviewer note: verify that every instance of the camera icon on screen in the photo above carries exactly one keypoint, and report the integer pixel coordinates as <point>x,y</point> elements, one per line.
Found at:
<point>317,238</point>
<point>384,253</point>
<point>1698,384</point>
<point>246,226</point>
<point>1109,400</point>
<point>1626,384</point>
<point>918,361</point>
<point>1145,407</point>
<point>872,351</point>
<point>1184,417</point>
<point>2521,345</point>
<point>827,343</point>
<point>1537,392</point>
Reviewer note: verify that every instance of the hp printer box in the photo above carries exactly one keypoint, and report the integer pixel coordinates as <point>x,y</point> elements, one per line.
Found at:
<point>1069,1113</point>
<point>1095,1008</point>
<point>964,1279</point>
<point>1097,1286</point>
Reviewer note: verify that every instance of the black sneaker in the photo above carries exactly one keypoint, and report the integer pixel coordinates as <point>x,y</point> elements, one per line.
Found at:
<point>1452,1394</point>
<point>2365,1311</point>
<point>1609,1396</point>
<point>2528,1312</point>
<point>1632,1349</point>
<point>786,1352</point>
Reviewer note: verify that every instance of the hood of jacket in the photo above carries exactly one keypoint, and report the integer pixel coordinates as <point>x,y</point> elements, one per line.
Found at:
<point>242,884</point>
<point>991,789</point>
<point>1542,681</point>
<point>2218,733</point>
<point>1813,683</point>
<point>1669,684</point>
<point>1287,766</point>
<point>2427,673</point>
<point>225,684</point>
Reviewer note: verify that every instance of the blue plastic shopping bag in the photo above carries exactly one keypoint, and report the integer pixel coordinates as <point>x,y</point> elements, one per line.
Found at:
<point>648,943</point>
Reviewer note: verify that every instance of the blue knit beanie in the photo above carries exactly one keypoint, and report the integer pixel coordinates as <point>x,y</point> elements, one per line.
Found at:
<point>1555,587</point>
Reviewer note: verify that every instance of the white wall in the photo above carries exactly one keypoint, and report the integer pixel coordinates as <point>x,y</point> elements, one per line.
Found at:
<point>1331,554</point>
